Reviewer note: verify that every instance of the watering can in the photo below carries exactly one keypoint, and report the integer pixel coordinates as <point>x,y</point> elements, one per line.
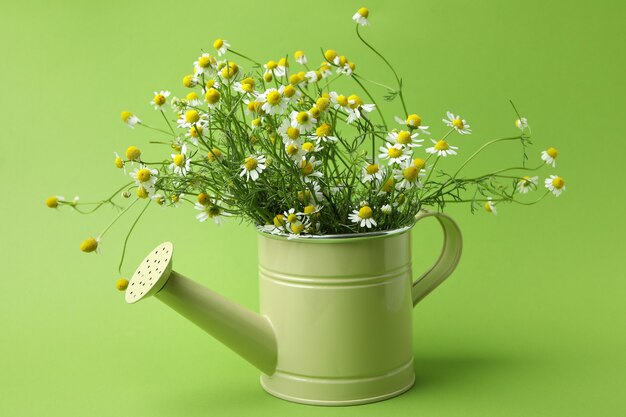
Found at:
<point>335,321</point>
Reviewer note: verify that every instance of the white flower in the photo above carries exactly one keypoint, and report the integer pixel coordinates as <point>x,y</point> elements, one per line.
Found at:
<point>295,223</point>
<point>526,184</point>
<point>325,70</point>
<point>363,217</point>
<point>159,99</point>
<point>211,210</point>
<point>356,106</point>
<point>130,119</point>
<point>192,118</point>
<point>313,76</point>
<point>204,65</point>
<point>273,101</point>
<point>159,199</point>
<point>413,121</point>
<point>302,120</point>
<point>460,125</point>
<point>311,147</point>
<point>322,134</point>
<point>394,153</point>
<point>294,150</point>
<point>253,166</point>
<point>181,164</point>
<point>346,69</point>
<point>405,138</point>
<point>300,57</point>
<point>408,176</point>
<point>245,88</point>
<point>339,101</point>
<point>221,46</point>
<point>289,133</point>
<point>386,209</point>
<point>145,177</point>
<point>555,184</point>
<point>373,172</point>
<point>193,100</point>
<point>307,168</point>
<point>521,123</point>
<point>442,148</point>
<point>361,16</point>
<point>490,207</point>
<point>549,155</point>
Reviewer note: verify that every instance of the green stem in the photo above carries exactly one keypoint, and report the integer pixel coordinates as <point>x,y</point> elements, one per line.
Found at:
<point>120,214</point>
<point>467,161</point>
<point>119,267</point>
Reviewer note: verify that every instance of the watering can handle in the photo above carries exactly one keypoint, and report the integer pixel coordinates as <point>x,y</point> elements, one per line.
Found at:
<point>448,260</point>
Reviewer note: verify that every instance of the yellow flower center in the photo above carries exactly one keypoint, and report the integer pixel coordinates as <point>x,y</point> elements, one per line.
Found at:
<point>442,145</point>
<point>142,192</point>
<point>203,198</point>
<point>306,168</point>
<point>256,122</point>
<point>363,11</point>
<point>292,218</point>
<point>175,198</point>
<point>372,169</point>
<point>192,96</point>
<point>309,209</point>
<point>283,62</point>
<point>195,131</point>
<point>133,153</point>
<point>121,284</point>
<point>212,96</point>
<point>192,116</point>
<point>388,185</point>
<point>230,71</point>
<point>89,245</point>
<point>210,83</point>
<point>330,55</point>
<point>271,65</point>
<point>160,200</point>
<point>322,103</point>
<point>273,97</point>
<point>179,160</point>
<point>552,152</point>
<point>404,137</point>
<point>323,130</point>
<point>302,117</point>
<point>52,202</point>
<point>143,175</point>
<point>308,146</point>
<point>458,123</point>
<point>279,220</point>
<point>342,100</point>
<point>394,152</point>
<point>488,207</point>
<point>205,61</point>
<point>355,101</point>
<point>298,54</point>
<point>419,163</point>
<point>315,112</point>
<point>159,99</point>
<point>118,162</point>
<point>218,43</point>
<point>292,149</point>
<point>289,91</point>
<point>365,212</point>
<point>414,120</point>
<point>293,133</point>
<point>294,79</point>
<point>214,154</point>
<point>558,183</point>
<point>251,163</point>
<point>410,173</point>
<point>342,60</point>
<point>248,80</point>
<point>297,228</point>
<point>188,81</point>
<point>267,77</point>
<point>126,115</point>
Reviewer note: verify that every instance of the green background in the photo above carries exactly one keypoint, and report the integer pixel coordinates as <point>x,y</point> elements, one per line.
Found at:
<point>531,323</point>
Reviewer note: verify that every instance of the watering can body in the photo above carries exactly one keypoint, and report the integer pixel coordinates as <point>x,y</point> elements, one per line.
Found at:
<point>335,321</point>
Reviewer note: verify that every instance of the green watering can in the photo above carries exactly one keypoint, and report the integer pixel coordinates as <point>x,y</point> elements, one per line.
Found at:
<point>335,326</point>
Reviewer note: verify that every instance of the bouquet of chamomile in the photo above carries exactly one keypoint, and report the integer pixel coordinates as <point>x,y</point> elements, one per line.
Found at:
<point>275,144</point>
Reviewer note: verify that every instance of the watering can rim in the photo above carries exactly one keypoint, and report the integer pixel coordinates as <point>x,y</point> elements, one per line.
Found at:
<point>335,238</point>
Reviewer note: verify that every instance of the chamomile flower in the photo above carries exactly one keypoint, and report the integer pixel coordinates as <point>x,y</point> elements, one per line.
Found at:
<point>555,184</point>
<point>332,56</point>
<point>246,86</point>
<point>364,217</point>
<point>289,93</point>
<point>357,106</point>
<point>490,206</point>
<point>295,223</point>
<point>273,101</point>
<point>414,123</point>
<point>405,138</point>
<point>311,147</point>
<point>119,162</point>
<point>311,194</point>
<point>212,97</point>
<point>289,133</point>
<point>181,163</point>
<point>191,118</point>
<point>308,167</point>
<point>145,177</point>
<point>159,99</point>
<point>361,16</point>
<point>300,57</point>
<point>193,100</point>
<point>253,107</point>
<point>527,183</point>
<point>323,134</point>
<point>339,101</point>
<point>209,210</point>
<point>521,123</point>
<point>281,67</point>
<point>194,133</point>
<point>373,172</point>
<point>302,120</point>
<point>549,156</point>
<point>90,245</point>
<point>313,76</point>
<point>130,119</point>
<point>294,150</point>
<point>253,166</point>
<point>53,202</point>
<point>386,209</point>
<point>456,122</point>
<point>442,148</point>
<point>158,199</point>
<point>394,153</point>
<point>221,46</point>
<point>407,176</point>
<point>204,65</point>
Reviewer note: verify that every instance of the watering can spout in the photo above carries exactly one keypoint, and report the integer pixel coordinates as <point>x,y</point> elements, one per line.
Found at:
<point>247,333</point>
